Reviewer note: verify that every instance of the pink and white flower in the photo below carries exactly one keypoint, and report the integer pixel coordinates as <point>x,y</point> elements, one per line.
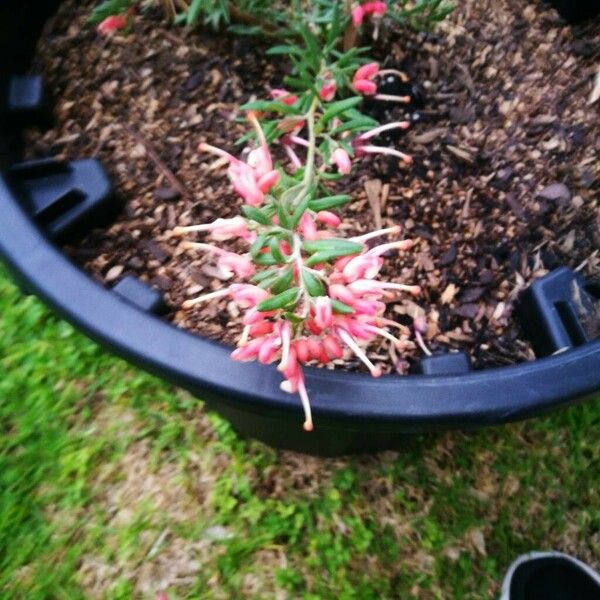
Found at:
<point>222,229</point>
<point>363,82</point>
<point>239,264</point>
<point>342,161</point>
<point>284,96</point>
<point>307,227</point>
<point>323,312</point>
<point>328,218</point>
<point>246,295</point>
<point>328,88</point>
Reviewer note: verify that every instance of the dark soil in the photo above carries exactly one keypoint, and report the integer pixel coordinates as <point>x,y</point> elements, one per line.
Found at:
<point>504,185</point>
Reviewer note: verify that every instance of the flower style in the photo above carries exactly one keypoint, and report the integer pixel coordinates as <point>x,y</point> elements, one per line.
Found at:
<point>228,263</point>
<point>362,147</point>
<point>222,229</point>
<point>364,83</point>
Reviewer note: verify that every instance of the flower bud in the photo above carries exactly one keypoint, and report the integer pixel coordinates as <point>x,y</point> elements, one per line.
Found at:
<point>112,24</point>
<point>328,218</point>
<point>342,161</point>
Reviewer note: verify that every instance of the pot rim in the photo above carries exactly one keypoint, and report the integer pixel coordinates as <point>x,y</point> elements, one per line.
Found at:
<point>204,367</point>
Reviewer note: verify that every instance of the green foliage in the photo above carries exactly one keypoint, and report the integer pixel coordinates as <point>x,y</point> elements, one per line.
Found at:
<point>281,19</point>
<point>419,14</point>
<point>214,13</point>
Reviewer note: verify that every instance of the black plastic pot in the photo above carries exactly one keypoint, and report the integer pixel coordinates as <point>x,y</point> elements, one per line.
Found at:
<point>40,203</point>
<point>550,576</point>
<point>575,11</point>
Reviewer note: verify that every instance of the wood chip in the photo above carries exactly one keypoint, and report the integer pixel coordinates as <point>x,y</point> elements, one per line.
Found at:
<point>498,311</point>
<point>429,136</point>
<point>114,273</point>
<point>448,294</point>
<point>596,89</point>
<point>373,190</point>
<point>556,192</point>
<point>460,153</point>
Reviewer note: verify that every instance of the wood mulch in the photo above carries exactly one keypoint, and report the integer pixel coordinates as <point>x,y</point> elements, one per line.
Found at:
<point>504,186</point>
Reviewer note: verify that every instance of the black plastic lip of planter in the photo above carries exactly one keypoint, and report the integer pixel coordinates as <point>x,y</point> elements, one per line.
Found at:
<point>352,412</point>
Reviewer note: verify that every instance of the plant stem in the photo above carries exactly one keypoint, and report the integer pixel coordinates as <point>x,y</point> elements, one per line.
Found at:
<point>312,143</point>
<point>309,172</point>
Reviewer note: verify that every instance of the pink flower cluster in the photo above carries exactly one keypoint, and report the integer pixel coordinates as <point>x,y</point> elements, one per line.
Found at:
<point>359,12</point>
<point>364,83</point>
<point>252,179</point>
<point>325,334</point>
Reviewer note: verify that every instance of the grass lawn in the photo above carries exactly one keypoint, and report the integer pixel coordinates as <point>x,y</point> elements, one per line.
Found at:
<point>115,485</point>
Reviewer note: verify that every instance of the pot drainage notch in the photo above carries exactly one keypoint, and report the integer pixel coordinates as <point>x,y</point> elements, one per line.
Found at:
<point>560,311</point>
<point>64,198</point>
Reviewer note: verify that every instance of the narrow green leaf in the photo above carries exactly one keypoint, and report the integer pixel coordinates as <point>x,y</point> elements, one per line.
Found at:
<point>313,284</point>
<point>358,124</point>
<point>300,210</point>
<point>340,246</point>
<point>321,257</point>
<point>289,198</point>
<point>280,300</point>
<point>292,318</point>
<point>275,251</point>
<point>258,245</point>
<point>255,214</point>
<point>265,284</point>
<point>283,282</point>
<point>108,9</point>
<point>194,12</point>
<point>284,218</point>
<point>330,176</point>
<point>263,275</point>
<point>269,106</point>
<point>331,202</point>
<point>337,108</point>
<point>245,29</point>
<point>265,259</point>
<point>283,49</point>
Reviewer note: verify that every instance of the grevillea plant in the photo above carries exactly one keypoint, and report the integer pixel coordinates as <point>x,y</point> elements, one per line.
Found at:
<point>311,296</point>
